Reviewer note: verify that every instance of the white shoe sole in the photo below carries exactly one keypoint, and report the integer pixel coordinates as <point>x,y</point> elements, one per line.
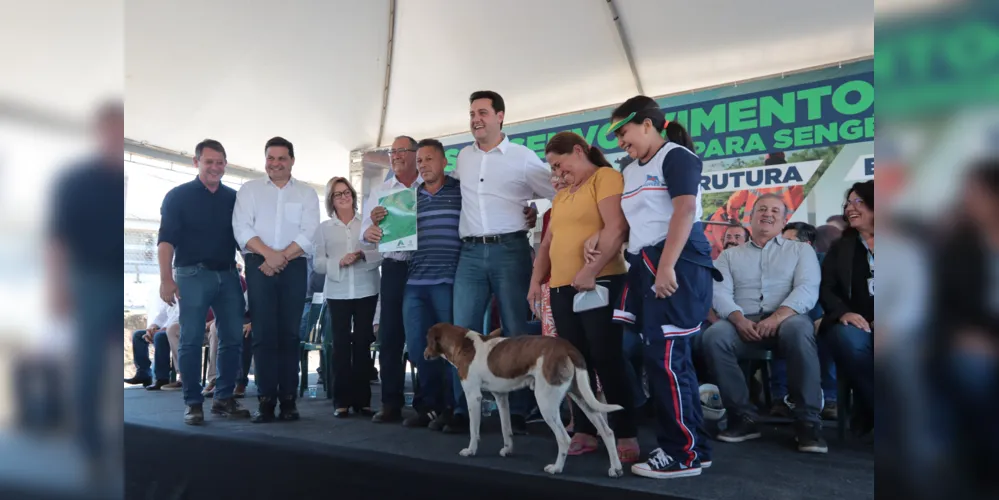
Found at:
<point>739,439</point>
<point>641,471</point>
<point>813,449</point>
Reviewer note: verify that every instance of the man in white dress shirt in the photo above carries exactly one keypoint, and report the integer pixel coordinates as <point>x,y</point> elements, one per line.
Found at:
<point>395,272</point>
<point>498,180</point>
<point>274,222</point>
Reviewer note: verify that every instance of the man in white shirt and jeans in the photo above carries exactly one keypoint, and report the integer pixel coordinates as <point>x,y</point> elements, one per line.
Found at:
<point>274,221</point>
<point>395,272</point>
<point>498,180</point>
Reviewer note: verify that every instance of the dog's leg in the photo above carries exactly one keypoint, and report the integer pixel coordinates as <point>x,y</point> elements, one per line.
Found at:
<point>599,421</point>
<point>503,407</point>
<point>474,397</point>
<point>549,399</point>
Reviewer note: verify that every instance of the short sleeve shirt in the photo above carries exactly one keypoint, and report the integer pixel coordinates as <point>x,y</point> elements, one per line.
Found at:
<point>575,217</point>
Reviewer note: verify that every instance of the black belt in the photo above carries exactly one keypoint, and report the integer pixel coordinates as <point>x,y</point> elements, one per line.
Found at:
<point>213,266</point>
<point>495,238</point>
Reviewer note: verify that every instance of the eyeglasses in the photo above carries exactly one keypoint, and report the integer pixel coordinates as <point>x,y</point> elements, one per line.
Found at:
<point>855,202</point>
<point>340,194</point>
<point>399,151</point>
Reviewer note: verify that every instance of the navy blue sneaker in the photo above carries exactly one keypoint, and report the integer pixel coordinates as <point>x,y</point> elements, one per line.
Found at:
<point>662,466</point>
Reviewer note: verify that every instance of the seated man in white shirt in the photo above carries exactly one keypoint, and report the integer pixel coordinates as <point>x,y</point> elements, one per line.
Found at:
<point>769,286</point>
<point>155,335</point>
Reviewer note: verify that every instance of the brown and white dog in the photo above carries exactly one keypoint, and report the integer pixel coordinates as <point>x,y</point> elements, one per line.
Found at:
<point>550,366</point>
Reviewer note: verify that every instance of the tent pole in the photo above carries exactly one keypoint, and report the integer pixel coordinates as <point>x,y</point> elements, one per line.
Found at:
<point>388,73</point>
<point>623,35</point>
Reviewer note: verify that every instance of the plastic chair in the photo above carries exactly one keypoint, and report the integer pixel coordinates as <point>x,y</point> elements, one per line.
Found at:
<point>313,342</point>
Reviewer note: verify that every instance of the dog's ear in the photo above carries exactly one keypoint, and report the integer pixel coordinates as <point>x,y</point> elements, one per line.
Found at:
<point>495,333</point>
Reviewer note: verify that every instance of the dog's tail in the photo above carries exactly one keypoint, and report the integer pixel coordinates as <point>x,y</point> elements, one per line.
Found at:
<point>584,394</point>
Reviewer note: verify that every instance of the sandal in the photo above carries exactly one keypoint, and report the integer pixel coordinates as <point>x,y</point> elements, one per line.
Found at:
<point>628,451</point>
<point>340,412</point>
<point>581,443</point>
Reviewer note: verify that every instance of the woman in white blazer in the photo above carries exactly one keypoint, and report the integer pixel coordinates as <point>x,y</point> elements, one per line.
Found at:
<point>351,293</point>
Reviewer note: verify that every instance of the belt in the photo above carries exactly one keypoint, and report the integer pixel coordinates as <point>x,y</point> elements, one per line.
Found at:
<point>216,267</point>
<point>495,238</point>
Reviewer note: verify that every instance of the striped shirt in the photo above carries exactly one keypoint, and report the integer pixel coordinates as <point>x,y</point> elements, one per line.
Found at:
<point>438,245</point>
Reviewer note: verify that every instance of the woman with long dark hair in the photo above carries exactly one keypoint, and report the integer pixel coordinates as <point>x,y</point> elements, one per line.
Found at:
<point>847,299</point>
<point>669,286</point>
<point>591,203</point>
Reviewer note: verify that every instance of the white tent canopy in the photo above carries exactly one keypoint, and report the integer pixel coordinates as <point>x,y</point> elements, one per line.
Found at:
<point>314,71</point>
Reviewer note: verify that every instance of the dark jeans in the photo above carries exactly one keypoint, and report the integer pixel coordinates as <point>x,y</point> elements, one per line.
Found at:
<point>140,354</point>
<point>392,333</point>
<point>276,313</point>
<point>487,269</point>
<point>423,307</point>
<point>633,363</point>
<point>601,342</point>
<point>201,288</point>
<point>353,331</point>
<point>855,353</point>
<point>246,358</point>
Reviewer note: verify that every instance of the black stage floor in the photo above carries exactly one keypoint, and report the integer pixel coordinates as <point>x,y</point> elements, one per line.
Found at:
<point>323,457</point>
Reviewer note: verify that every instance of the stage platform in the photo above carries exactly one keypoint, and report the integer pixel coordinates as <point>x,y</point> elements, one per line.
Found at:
<point>323,457</point>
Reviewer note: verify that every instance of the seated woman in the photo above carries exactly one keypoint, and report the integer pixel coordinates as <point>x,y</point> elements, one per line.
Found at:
<point>847,298</point>
<point>351,292</point>
<point>591,203</point>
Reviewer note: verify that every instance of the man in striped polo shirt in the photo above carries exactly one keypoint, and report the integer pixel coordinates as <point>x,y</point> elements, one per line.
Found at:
<point>428,298</point>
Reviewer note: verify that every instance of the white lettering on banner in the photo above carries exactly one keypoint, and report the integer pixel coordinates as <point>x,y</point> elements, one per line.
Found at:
<point>862,170</point>
<point>788,174</point>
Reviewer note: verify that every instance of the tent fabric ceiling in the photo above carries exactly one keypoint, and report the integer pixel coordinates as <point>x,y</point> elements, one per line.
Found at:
<point>313,71</point>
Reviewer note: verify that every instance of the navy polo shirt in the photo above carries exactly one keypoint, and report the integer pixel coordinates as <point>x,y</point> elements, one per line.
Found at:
<point>198,223</point>
<point>85,214</point>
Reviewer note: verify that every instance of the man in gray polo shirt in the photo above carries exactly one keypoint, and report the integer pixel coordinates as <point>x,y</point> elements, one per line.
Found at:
<point>769,286</point>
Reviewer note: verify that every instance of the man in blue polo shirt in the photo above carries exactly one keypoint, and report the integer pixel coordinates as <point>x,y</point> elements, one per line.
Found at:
<point>196,242</point>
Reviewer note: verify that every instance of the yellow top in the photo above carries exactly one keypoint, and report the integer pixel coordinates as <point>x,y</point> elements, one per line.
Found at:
<point>576,217</point>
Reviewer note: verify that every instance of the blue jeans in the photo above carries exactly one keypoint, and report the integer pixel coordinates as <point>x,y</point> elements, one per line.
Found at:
<point>140,353</point>
<point>201,288</point>
<point>855,354</point>
<point>633,358</point>
<point>276,313</point>
<point>94,294</point>
<point>303,332</point>
<point>423,307</point>
<point>827,366</point>
<point>485,269</point>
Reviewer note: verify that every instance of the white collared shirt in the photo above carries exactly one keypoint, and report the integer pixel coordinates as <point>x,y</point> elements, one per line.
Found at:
<point>333,241</point>
<point>497,185</point>
<point>278,216</point>
<point>166,315</point>
<point>390,185</point>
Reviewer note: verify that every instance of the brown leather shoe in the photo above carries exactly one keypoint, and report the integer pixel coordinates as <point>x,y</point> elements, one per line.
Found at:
<point>289,411</point>
<point>265,412</point>
<point>194,415</point>
<point>229,408</point>
<point>387,416</point>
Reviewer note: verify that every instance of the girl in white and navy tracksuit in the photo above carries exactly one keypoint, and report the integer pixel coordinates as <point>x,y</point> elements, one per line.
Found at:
<point>662,203</point>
